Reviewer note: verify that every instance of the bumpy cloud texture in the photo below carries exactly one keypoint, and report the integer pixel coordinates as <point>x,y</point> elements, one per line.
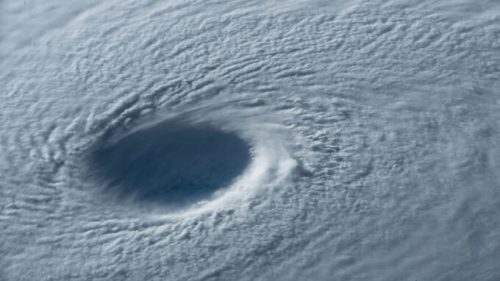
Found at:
<point>352,140</point>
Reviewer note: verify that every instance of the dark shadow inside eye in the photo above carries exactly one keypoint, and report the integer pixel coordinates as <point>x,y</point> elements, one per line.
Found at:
<point>171,163</point>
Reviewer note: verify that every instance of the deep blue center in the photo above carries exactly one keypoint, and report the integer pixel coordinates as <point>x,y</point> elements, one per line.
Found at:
<point>172,162</point>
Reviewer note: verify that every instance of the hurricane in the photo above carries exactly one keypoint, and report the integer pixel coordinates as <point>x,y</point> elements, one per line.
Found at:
<point>249,140</point>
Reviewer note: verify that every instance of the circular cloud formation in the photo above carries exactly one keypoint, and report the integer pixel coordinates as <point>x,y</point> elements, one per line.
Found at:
<point>249,140</point>
<point>172,163</point>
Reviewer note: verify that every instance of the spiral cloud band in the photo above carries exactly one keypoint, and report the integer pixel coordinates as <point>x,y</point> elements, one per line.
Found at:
<point>250,140</point>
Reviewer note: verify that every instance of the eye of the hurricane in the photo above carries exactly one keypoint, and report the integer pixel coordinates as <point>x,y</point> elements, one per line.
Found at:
<point>171,163</point>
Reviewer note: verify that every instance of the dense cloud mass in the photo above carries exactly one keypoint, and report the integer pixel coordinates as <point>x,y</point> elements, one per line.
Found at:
<point>250,140</point>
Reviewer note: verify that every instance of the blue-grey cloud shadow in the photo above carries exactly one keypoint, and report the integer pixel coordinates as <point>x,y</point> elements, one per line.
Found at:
<point>171,163</point>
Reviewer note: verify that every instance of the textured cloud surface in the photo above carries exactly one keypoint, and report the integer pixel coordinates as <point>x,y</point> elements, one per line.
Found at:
<point>342,140</point>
